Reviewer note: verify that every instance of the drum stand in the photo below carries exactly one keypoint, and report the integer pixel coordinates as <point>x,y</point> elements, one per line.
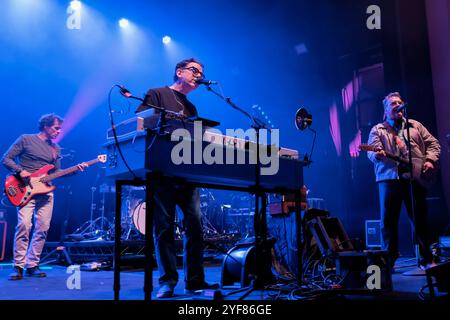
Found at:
<point>94,229</point>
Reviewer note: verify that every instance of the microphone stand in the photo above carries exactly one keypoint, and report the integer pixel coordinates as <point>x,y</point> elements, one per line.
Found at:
<point>260,217</point>
<point>412,196</point>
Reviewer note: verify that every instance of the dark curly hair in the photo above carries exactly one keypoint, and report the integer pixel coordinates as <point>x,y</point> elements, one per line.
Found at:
<point>47,120</point>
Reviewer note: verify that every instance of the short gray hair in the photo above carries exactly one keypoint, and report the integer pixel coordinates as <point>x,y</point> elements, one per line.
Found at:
<point>390,95</point>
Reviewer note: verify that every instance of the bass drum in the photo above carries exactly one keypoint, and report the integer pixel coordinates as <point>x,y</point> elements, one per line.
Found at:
<point>138,217</point>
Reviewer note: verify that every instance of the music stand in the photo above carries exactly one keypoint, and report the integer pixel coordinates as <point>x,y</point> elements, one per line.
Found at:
<point>303,120</point>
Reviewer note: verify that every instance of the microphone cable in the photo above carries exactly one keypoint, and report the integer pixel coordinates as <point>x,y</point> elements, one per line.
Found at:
<point>116,140</point>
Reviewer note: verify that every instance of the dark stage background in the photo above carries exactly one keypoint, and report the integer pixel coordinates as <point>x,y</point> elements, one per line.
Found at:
<point>275,55</point>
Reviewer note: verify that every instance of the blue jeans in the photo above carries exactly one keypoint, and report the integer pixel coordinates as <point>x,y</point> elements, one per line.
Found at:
<point>167,196</point>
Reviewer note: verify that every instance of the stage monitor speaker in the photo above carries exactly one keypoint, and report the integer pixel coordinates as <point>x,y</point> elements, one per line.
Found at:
<point>352,267</point>
<point>239,265</point>
<point>330,235</point>
<point>441,276</point>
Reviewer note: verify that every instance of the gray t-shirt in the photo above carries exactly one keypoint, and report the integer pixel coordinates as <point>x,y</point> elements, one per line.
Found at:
<point>29,152</point>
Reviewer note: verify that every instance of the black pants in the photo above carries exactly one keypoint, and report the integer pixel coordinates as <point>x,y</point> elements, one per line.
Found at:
<point>167,197</point>
<point>392,194</point>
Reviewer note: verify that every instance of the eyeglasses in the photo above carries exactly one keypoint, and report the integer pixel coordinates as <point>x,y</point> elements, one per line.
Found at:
<point>195,72</point>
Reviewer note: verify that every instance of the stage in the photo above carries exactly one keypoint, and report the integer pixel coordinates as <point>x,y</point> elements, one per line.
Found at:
<point>98,285</point>
<point>297,122</point>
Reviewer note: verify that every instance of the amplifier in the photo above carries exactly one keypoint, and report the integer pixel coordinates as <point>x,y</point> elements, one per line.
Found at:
<point>353,268</point>
<point>285,204</point>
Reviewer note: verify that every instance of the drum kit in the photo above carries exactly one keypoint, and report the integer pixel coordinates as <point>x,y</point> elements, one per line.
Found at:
<point>220,217</point>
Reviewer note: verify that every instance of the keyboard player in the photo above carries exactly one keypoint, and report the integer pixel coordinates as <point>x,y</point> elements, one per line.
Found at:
<point>168,194</point>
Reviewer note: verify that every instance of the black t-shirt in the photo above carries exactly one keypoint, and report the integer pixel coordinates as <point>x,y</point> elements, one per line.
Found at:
<point>168,99</point>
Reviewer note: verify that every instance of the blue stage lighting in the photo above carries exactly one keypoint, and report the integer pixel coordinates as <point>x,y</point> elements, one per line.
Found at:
<point>75,5</point>
<point>166,39</point>
<point>123,23</point>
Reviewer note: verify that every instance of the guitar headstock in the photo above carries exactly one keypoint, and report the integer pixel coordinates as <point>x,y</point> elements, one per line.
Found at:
<point>102,158</point>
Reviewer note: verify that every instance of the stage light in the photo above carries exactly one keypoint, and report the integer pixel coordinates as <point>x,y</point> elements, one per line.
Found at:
<point>123,23</point>
<point>75,5</point>
<point>166,39</point>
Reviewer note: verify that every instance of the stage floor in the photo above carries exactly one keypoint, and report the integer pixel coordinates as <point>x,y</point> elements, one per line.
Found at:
<point>98,285</point>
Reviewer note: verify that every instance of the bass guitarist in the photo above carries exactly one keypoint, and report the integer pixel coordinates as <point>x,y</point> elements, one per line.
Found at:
<point>390,137</point>
<point>29,153</point>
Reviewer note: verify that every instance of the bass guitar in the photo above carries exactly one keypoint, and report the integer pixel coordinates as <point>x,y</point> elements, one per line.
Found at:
<point>20,192</point>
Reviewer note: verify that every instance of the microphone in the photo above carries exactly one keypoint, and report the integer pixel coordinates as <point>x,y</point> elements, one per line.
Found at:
<point>401,107</point>
<point>125,92</point>
<point>205,82</point>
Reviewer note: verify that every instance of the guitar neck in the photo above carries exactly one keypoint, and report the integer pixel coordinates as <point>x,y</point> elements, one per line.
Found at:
<point>67,171</point>
<point>366,147</point>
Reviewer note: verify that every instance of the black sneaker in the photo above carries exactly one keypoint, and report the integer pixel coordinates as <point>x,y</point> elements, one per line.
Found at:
<point>35,272</point>
<point>192,287</point>
<point>165,291</point>
<point>17,274</point>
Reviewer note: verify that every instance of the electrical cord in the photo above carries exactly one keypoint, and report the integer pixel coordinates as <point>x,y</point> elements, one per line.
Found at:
<point>116,140</point>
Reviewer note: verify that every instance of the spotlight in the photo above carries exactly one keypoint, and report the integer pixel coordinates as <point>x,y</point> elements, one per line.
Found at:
<point>123,23</point>
<point>166,39</point>
<point>75,5</point>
